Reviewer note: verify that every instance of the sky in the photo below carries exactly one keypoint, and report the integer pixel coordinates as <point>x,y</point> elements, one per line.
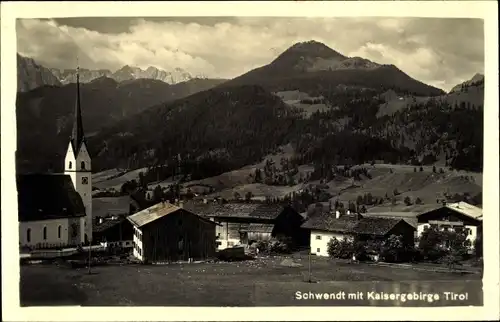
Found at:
<point>437,51</point>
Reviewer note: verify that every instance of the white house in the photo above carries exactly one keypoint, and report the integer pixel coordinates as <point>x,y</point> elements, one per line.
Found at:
<point>325,227</point>
<point>50,211</point>
<point>454,216</point>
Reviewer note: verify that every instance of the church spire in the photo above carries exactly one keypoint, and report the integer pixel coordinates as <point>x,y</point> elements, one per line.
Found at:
<point>77,136</point>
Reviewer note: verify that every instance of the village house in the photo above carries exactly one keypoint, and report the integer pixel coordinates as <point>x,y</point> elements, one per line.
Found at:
<point>165,233</point>
<point>114,231</point>
<point>50,211</point>
<point>459,216</point>
<point>325,227</point>
<point>245,223</point>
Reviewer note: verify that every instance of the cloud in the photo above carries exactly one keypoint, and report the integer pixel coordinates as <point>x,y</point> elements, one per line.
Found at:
<point>440,52</point>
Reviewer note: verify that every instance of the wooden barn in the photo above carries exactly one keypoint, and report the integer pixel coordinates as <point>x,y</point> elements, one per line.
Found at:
<point>165,233</point>
<point>114,231</point>
<point>245,223</point>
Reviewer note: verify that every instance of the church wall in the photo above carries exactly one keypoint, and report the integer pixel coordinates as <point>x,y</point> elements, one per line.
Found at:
<point>53,239</point>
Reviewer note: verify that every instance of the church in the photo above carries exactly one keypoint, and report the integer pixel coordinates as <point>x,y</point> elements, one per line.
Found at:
<point>55,210</point>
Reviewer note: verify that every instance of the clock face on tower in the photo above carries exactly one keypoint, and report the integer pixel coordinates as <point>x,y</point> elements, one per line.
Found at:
<point>85,180</point>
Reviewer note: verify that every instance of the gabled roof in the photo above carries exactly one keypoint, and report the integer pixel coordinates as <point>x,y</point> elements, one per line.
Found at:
<point>409,217</point>
<point>156,212</point>
<point>463,208</point>
<point>235,210</point>
<point>375,226</point>
<point>328,222</point>
<point>258,228</point>
<point>47,196</point>
<point>466,209</point>
<point>107,224</point>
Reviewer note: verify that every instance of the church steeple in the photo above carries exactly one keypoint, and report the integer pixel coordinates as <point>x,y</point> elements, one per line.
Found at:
<point>77,136</point>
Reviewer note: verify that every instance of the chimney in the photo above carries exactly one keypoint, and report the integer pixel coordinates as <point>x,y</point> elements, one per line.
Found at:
<point>181,204</point>
<point>337,214</point>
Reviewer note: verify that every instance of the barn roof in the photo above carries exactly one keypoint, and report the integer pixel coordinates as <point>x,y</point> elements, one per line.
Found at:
<point>409,217</point>
<point>376,226</point>
<point>328,222</point>
<point>107,224</point>
<point>258,228</point>
<point>155,212</point>
<point>47,196</point>
<point>235,210</point>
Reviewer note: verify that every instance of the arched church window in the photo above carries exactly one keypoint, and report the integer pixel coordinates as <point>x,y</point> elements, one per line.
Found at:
<point>83,165</point>
<point>59,231</point>
<point>70,165</point>
<point>28,235</point>
<point>44,233</point>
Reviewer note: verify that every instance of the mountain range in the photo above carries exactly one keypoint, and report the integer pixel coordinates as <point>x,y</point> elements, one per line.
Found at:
<point>32,75</point>
<point>331,108</point>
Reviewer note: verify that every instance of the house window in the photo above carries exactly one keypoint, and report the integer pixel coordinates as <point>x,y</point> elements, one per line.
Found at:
<point>82,165</point>
<point>70,165</point>
<point>44,233</point>
<point>318,250</point>
<point>28,235</point>
<point>59,231</point>
<point>318,237</point>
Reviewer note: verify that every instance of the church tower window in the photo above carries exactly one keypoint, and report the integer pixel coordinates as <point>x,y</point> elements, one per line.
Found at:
<point>59,231</point>
<point>28,235</point>
<point>83,165</point>
<point>70,165</point>
<point>44,233</point>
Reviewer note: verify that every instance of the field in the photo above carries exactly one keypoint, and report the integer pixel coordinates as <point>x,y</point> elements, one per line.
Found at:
<point>425,185</point>
<point>258,282</point>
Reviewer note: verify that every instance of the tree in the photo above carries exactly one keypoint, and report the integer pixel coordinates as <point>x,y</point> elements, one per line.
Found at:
<point>359,200</point>
<point>157,194</point>
<point>478,246</point>
<point>418,201</point>
<point>396,192</point>
<point>421,169</point>
<point>434,168</point>
<point>352,206</point>
<point>258,176</point>
<point>407,201</point>
<point>248,196</point>
<point>363,209</point>
<point>393,249</point>
<point>237,195</point>
<point>343,248</point>
<point>369,199</point>
<point>414,169</point>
